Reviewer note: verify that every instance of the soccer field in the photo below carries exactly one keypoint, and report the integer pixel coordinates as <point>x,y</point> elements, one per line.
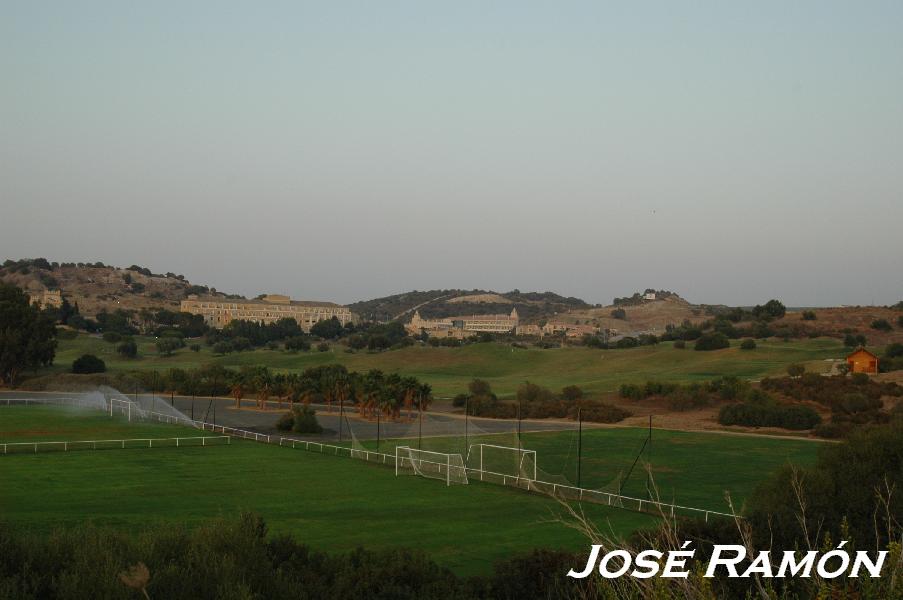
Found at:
<point>329,502</point>
<point>336,503</point>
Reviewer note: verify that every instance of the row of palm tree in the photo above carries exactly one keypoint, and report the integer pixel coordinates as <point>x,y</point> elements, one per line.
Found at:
<point>372,394</point>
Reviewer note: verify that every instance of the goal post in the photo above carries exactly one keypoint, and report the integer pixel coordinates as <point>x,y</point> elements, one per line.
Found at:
<point>506,461</point>
<point>432,465</point>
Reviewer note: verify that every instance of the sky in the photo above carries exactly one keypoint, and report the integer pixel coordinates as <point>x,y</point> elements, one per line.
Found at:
<point>731,152</point>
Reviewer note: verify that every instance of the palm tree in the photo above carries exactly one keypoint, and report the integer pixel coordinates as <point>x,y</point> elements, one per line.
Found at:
<point>409,388</point>
<point>374,381</point>
<point>424,396</point>
<point>238,391</point>
<point>263,381</point>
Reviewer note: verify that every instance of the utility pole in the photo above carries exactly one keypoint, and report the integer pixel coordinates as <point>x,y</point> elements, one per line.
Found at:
<point>649,482</point>
<point>377,432</point>
<point>579,442</point>
<point>519,445</point>
<point>341,415</point>
<point>466,443</point>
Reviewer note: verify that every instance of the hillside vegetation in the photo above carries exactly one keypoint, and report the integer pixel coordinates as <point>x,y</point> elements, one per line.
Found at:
<point>97,287</point>
<point>436,304</point>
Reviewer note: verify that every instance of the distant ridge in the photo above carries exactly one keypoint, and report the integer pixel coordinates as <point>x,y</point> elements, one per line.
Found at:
<point>436,304</point>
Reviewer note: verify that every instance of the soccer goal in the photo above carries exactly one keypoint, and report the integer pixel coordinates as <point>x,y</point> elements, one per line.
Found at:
<point>434,465</point>
<point>491,459</point>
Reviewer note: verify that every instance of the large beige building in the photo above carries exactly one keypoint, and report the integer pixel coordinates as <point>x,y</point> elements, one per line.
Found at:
<point>470,325</point>
<point>46,298</point>
<point>218,312</point>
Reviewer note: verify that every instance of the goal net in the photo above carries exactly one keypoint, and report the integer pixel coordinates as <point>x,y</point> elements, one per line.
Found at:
<point>433,465</point>
<point>492,460</point>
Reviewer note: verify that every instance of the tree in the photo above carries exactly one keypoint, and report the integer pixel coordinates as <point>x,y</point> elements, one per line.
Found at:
<point>479,387</point>
<point>327,329</point>
<point>795,370</point>
<point>88,363</point>
<point>881,325</point>
<point>127,348</point>
<point>773,309</point>
<point>27,336</point>
<point>712,341</point>
<point>852,341</point>
<point>166,346</point>
<point>572,393</point>
<point>748,344</point>
<point>619,313</point>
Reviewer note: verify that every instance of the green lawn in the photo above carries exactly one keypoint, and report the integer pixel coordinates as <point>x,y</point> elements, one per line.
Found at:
<point>450,369</point>
<point>331,503</point>
<point>337,504</point>
<point>688,468</point>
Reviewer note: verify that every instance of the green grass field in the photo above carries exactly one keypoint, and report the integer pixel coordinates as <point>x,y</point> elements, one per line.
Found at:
<point>337,503</point>
<point>449,370</point>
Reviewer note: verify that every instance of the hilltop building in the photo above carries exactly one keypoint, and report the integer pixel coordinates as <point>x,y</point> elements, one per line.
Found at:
<point>862,361</point>
<point>218,312</point>
<point>46,298</point>
<point>459,327</point>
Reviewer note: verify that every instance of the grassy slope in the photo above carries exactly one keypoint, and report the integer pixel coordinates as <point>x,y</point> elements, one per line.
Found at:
<point>449,369</point>
<point>331,503</point>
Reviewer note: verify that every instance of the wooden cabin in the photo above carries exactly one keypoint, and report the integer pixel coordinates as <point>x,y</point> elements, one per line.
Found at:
<point>862,361</point>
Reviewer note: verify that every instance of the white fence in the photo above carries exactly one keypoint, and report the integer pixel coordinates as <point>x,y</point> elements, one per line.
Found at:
<point>556,490</point>
<point>67,446</point>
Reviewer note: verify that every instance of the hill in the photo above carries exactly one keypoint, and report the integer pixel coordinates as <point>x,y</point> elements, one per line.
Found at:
<point>97,287</point>
<point>437,304</point>
<point>652,316</point>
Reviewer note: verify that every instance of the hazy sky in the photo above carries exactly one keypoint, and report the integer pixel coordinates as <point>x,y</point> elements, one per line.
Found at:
<point>729,151</point>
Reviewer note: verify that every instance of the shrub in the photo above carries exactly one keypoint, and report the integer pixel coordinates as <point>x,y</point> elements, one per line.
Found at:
<point>299,343</point>
<point>88,363</point>
<point>306,420</point>
<point>285,422</point>
<point>127,348</point>
<point>852,341</point>
<point>680,344</point>
<point>748,344</point>
<point>881,325</point>
<point>900,321</point>
<point>195,347</point>
<point>112,337</point>
<point>619,313</point>
<point>768,414</point>
<point>796,370</point>
<point>63,333</point>
<point>626,342</point>
<point>631,391</point>
<point>322,347</point>
<point>601,412</point>
<point>222,348</point>
<point>167,345</point>
<point>809,315</point>
<point>571,393</point>
<point>531,392</point>
<point>712,341</point>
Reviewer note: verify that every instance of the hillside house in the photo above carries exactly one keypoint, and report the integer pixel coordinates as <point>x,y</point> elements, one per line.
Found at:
<point>862,361</point>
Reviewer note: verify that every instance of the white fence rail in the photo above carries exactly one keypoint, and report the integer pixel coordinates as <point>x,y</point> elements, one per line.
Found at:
<point>557,490</point>
<point>72,445</point>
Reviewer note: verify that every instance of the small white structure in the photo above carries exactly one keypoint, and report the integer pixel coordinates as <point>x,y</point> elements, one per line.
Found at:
<point>649,296</point>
